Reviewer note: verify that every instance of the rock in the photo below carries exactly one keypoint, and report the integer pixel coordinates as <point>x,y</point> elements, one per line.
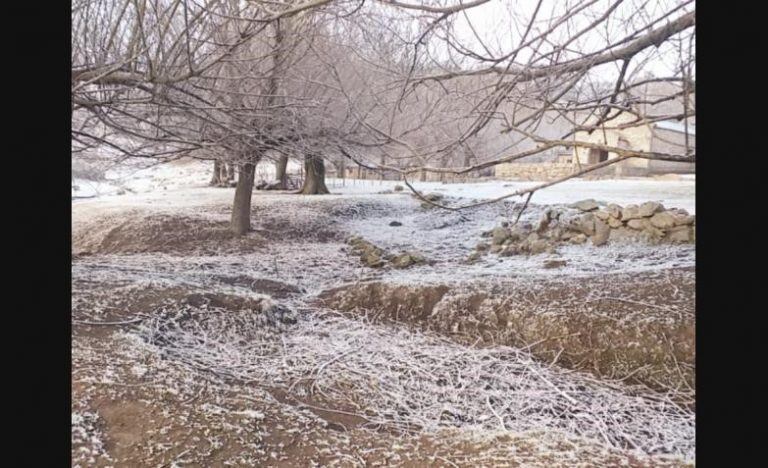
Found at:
<point>684,220</point>
<point>663,220</point>
<point>648,209</point>
<point>556,233</point>
<point>602,232</point>
<point>481,246</point>
<point>474,256</point>
<point>517,234</point>
<point>406,259</point>
<point>499,235</point>
<point>630,212</point>
<point>587,224</point>
<point>579,238</point>
<point>509,250</point>
<point>555,263</point>
<point>652,234</point>
<point>532,237</point>
<point>486,233</point>
<point>495,248</point>
<point>681,234</point>
<point>398,188</point>
<point>602,215</point>
<point>614,210</point>
<point>623,234</point>
<point>614,222</point>
<point>537,246</point>
<point>395,223</point>
<point>568,235</point>
<point>354,240</point>
<point>372,259</point>
<point>585,205</point>
<point>637,223</point>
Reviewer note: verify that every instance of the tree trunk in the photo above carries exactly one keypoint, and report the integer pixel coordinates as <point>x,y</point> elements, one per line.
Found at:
<point>230,174</point>
<point>314,176</point>
<point>241,208</point>
<point>216,179</point>
<point>281,173</point>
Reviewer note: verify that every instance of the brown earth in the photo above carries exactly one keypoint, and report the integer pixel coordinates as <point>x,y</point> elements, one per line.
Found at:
<point>137,233</point>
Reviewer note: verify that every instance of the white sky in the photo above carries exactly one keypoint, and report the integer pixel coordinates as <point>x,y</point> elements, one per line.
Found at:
<point>500,24</point>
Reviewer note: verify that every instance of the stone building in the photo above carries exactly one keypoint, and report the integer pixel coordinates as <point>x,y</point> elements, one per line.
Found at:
<point>653,99</point>
<point>663,137</point>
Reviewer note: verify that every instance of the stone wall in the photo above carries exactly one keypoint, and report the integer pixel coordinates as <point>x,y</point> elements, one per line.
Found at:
<point>588,220</point>
<point>534,171</point>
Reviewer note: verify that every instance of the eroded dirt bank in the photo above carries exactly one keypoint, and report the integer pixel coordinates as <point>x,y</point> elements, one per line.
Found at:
<point>639,328</point>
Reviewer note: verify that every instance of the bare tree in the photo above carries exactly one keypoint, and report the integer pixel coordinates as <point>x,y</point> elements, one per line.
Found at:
<point>413,88</point>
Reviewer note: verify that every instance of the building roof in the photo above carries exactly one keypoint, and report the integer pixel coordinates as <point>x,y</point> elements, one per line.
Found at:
<point>675,126</point>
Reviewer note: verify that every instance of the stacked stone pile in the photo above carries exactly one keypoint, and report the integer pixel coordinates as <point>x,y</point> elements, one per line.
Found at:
<point>588,220</point>
<point>375,257</point>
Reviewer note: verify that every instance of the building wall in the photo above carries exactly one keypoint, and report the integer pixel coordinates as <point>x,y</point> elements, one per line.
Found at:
<point>638,138</point>
<point>668,141</point>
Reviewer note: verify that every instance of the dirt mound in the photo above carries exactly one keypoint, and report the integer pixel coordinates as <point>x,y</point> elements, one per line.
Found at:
<point>638,328</point>
<point>137,233</point>
<point>122,304</point>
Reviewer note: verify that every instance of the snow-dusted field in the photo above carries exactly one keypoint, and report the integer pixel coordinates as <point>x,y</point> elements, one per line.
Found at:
<point>673,194</point>
<point>215,378</point>
<point>186,174</point>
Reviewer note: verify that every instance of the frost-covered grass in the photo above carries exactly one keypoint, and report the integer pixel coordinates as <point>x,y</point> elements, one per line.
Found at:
<point>406,380</point>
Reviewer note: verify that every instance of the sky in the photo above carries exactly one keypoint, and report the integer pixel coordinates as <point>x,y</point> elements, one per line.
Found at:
<point>500,23</point>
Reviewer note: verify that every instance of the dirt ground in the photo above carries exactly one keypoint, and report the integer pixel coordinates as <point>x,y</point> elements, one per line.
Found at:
<point>191,348</point>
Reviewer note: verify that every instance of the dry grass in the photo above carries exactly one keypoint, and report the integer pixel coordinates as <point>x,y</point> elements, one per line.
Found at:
<point>408,382</point>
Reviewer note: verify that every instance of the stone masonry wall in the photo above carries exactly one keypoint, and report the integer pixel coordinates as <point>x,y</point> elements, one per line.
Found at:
<point>534,171</point>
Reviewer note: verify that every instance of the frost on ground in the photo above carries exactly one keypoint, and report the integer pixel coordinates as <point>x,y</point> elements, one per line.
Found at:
<point>87,438</point>
<point>190,349</point>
